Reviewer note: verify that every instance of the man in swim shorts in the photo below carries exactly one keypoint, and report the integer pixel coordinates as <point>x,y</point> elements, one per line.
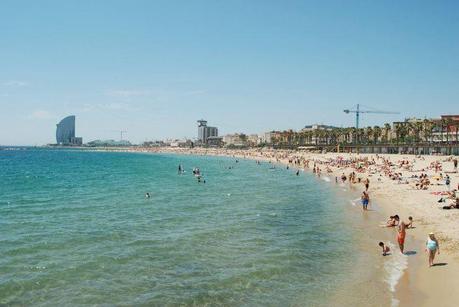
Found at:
<point>365,200</point>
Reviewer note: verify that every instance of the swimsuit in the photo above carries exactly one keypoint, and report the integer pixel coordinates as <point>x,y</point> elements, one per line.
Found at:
<point>401,238</point>
<point>431,245</point>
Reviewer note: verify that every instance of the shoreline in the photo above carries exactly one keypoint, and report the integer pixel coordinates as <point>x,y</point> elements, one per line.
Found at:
<point>417,284</point>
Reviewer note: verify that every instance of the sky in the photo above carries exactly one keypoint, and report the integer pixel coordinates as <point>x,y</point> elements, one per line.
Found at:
<point>152,68</point>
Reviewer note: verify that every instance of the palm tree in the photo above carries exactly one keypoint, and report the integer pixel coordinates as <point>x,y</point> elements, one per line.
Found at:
<point>368,134</point>
<point>449,123</point>
<point>377,132</point>
<point>414,129</point>
<point>456,127</point>
<point>387,129</point>
<point>443,125</point>
<point>400,132</point>
<point>419,126</point>
<point>428,127</point>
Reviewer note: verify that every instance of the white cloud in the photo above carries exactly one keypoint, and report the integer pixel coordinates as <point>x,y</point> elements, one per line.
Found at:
<point>40,114</point>
<point>15,83</point>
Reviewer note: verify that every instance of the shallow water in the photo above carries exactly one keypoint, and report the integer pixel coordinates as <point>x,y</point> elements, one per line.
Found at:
<point>76,229</point>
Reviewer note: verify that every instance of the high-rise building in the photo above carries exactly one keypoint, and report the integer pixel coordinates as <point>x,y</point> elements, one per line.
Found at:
<point>65,132</point>
<point>204,131</point>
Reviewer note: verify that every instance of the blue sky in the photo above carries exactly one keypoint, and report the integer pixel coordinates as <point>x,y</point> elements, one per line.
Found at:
<point>154,67</point>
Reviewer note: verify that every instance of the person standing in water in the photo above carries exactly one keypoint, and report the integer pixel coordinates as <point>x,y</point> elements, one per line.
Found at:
<point>365,200</point>
<point>385,248</point>
<point>401,236</point>
<point>432,247</point>
<point>367,184</point>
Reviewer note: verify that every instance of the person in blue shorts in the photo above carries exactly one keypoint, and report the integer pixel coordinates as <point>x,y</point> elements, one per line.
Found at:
<point>365,200</point>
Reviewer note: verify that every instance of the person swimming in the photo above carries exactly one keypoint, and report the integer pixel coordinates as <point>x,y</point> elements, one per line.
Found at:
<point>147,195</point>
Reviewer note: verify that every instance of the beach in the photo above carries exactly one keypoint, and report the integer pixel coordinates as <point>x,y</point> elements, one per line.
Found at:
<point>417,285</point>
<point>397,279</point>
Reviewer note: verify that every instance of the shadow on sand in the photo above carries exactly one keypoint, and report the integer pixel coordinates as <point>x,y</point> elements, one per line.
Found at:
<point>440,264</point>
<point>410,253</point>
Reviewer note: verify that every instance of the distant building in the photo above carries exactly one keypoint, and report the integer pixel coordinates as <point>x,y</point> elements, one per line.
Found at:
<point>204,131</point>
<point>236,140</point>
<point>77,141</point>
<point>446,128</point>
<point>215,141</point>
<point>153,144</point>
<point>318,127</point>
<point>65,132</point>
<point>109,143</point>
<point>253,140</point>
<point>269,137</point>
<point>179,143</point>
<point>317,138</point>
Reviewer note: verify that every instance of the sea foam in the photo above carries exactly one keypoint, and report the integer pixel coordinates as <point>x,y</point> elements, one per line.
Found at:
<point>394,267</point>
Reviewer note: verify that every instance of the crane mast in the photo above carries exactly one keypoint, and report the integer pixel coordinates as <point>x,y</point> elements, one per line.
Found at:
<point>357,112</point>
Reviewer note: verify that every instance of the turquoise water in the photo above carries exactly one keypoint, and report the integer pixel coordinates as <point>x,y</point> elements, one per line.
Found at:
<point>76,229</point>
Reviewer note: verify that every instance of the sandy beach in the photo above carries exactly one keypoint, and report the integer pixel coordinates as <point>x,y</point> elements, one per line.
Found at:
<point>395,189</point>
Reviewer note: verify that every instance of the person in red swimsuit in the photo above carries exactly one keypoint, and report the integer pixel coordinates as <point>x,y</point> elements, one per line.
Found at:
<point>401,236</point>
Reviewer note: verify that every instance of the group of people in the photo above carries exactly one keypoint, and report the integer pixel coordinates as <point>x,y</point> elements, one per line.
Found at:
<point>432,245</point>
<point>394,221</point>
<point>423,182</point>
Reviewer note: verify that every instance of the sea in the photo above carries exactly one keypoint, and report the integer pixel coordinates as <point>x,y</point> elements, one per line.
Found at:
<point>76,228</point>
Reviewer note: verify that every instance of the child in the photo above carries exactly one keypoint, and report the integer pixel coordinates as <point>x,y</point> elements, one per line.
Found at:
<point>385,248</point>
<point>410,223</point>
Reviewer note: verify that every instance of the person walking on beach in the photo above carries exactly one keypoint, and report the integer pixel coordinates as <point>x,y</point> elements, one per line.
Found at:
<point>365,200</point>
<point>401,236</point>
<point>455,165</point>
<point>432,247</point>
